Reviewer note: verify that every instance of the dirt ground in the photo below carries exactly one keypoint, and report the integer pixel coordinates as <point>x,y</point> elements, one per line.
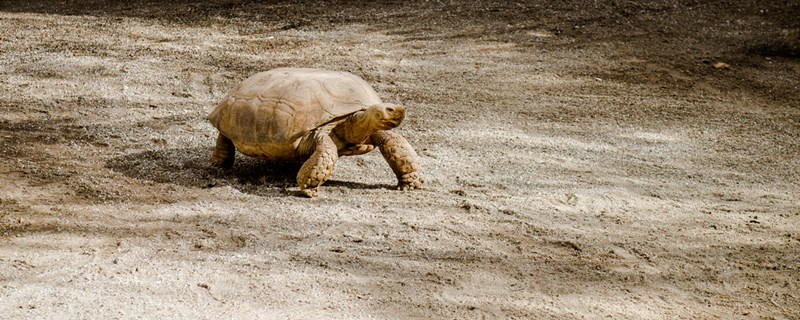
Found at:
<point>584,160</point>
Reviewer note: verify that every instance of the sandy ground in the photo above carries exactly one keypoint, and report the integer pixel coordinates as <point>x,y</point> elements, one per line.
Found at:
<point>584,160</point>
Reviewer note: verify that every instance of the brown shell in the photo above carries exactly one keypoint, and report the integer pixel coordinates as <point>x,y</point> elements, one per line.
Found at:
<point>267,114</point>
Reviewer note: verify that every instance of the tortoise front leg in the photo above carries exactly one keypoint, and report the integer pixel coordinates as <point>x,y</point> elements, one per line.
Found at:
<point>401,158</point>
<point>318,168</point>
<point>224,153</point>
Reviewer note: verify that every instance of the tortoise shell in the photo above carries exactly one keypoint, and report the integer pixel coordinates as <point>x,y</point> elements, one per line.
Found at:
<point>268,114</point>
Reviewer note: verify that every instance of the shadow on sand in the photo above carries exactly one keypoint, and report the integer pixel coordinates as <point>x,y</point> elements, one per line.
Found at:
<point>191,167</point>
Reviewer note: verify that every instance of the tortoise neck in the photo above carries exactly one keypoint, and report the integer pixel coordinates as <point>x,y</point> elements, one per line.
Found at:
<point>356,128</point>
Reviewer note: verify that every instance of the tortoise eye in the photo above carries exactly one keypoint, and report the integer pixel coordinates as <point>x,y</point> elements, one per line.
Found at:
<point>389,109</point>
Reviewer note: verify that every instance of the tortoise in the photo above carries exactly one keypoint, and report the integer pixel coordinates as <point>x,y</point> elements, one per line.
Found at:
<point>315,116</point>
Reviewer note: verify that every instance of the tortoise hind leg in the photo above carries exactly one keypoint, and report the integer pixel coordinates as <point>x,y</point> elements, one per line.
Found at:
<point>224,153</point>
<point>319,167</point>
<point>401,158</point>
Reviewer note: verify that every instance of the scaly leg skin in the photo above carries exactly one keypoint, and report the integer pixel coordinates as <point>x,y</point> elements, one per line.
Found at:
<point>224,153</point>
<point>401,158</point>
<point>318,168</point>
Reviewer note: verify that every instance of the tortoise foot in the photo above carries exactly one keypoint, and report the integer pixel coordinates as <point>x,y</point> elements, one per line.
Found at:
<point>226,163</point>
<point>410,181</point>
<point>309,193</point>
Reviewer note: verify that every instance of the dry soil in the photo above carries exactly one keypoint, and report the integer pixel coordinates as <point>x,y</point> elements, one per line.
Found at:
<point>584,160</point>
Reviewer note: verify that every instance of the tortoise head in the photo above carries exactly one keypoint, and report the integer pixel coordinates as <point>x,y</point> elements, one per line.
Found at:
<point>386,116</point>
<point>360,125</point>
